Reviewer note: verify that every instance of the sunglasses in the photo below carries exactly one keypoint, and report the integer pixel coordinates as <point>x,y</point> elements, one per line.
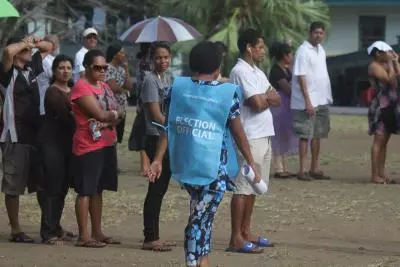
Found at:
<point>99,68</point>
<point>91,36</point>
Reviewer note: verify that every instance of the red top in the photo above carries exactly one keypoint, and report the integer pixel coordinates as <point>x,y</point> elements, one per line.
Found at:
<point>82,140</point>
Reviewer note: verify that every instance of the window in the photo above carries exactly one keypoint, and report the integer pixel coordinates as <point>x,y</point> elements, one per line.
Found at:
<point>371,29</point>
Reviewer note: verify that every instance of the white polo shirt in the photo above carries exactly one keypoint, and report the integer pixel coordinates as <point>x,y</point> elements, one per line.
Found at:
<point>310,61</point>
<point>44,80</point>
<point>253,81</point>
<point>78,68</point>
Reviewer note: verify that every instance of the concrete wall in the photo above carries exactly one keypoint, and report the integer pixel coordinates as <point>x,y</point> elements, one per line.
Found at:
<point>343,37</point>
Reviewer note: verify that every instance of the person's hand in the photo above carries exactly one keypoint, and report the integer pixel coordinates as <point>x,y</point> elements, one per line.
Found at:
<point>393,56</point>
<point>144,163</point>
<point>121,111</point>
<point>154,172</point>
<point>271,93</point>
<point>125,64</point>
<point>257,175</point>
<point>310,109</point>
<point>36,39</point>
<point>28,40</point>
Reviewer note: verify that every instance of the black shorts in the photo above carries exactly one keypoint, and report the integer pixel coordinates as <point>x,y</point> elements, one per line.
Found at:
<point>95,171</point>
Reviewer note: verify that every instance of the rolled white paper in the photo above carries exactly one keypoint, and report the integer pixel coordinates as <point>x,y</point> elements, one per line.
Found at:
<point>248,173</point>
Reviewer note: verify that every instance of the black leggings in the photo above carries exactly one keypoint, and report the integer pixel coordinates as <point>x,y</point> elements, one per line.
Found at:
<point>155,193</point>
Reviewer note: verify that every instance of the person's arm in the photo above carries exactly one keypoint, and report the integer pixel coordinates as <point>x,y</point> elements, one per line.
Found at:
<point>258,102</point>
<point>273,98</point>
<point>151,99</point>
<point>12,50</point>
<point>285,86</point>
<point>299,73</point>
<point>243,145</point>
<point>128,84</point>
<point>384,76</point>
<point>83,96</point>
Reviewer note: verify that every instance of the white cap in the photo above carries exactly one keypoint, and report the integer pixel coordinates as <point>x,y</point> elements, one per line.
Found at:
<point>89,31</point>
<point>381,46</point>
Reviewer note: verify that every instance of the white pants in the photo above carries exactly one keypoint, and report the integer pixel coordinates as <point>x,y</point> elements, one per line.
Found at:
<point>261,150</point>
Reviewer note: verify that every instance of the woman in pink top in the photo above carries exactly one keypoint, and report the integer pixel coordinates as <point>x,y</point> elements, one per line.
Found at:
<point>95,159</point>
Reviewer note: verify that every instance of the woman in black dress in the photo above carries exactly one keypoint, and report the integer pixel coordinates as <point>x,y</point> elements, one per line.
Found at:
<point>55,145</point>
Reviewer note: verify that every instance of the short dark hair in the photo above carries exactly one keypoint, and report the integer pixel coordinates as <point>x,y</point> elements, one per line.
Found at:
<point>205,58</point>
<point>221,47</point>
<point>90,56</point>
<point>157,46</point>
<point>144,49</point>
<point>112,50</point>
<point>14,40</point>
<point>317,25</point>
<point>57,60</point>
<point>278,50</point>
<point>249,36</point>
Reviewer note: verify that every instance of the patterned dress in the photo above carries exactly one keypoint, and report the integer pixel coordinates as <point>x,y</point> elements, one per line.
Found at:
<point>204,200</point>
<point>384,113</point>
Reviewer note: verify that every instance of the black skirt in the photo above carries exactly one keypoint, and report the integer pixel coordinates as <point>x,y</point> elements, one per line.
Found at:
<point>95,171</point>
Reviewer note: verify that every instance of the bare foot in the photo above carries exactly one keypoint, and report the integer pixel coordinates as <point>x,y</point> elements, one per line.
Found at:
<point>378,180</point>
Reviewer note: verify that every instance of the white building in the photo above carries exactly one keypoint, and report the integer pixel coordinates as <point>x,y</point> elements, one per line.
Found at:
<point>355,24</point>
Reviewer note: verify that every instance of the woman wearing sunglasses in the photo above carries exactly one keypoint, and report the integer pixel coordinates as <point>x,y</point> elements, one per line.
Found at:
<point>95,159</point>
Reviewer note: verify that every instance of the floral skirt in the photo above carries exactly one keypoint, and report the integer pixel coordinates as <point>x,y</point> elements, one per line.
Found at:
<point>204,202</point>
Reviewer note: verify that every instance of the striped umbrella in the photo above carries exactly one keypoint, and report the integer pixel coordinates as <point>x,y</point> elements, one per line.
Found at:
<point>160,29</point>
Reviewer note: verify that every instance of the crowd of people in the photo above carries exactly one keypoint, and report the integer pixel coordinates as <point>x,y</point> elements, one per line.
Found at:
<point>62,120</point>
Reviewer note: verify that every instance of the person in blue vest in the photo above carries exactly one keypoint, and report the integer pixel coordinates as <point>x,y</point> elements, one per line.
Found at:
<point>197,135</point>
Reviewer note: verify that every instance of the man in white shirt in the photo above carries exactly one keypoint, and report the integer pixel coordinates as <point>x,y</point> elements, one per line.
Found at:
<point>258,126</point>
<point>91,37</point>
<point>44,78</point>
<point>311,97</point>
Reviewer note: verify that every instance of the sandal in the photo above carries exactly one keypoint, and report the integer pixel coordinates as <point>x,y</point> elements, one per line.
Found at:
<point>303,177</point>
<point>53,241</point>
<point>110,241</point>
<point>390,181</point>
<point>21,237</point>
<point>90,244</point>
<point>156,246</point>
<point>282,175</point>
<point>262,242</point>
<point>247,248</point>
<point>318,175</point>
<point>69,234</point>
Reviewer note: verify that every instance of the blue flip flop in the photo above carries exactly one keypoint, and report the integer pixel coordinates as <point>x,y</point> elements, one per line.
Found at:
<point>262,242</point>
<point>247,248</point>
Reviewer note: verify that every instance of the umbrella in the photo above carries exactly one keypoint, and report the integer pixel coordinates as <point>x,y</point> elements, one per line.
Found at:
<point>160,29</point>
<point>7,10</point>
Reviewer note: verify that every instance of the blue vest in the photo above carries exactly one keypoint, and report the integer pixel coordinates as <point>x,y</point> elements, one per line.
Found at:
<point>197,120</point>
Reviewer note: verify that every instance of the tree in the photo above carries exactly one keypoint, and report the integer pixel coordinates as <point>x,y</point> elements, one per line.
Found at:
<point>223,20</point>
<point>62,12</point>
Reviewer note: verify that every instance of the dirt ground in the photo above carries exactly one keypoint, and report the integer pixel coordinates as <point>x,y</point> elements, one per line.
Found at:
<point>343,222</point>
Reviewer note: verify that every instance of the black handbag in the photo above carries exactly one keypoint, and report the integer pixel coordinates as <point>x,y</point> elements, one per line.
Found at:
<point>137,138</point>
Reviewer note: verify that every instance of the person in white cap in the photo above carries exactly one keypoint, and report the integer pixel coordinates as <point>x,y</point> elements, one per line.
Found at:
<point>383,114</point>
<point>91,36</point>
